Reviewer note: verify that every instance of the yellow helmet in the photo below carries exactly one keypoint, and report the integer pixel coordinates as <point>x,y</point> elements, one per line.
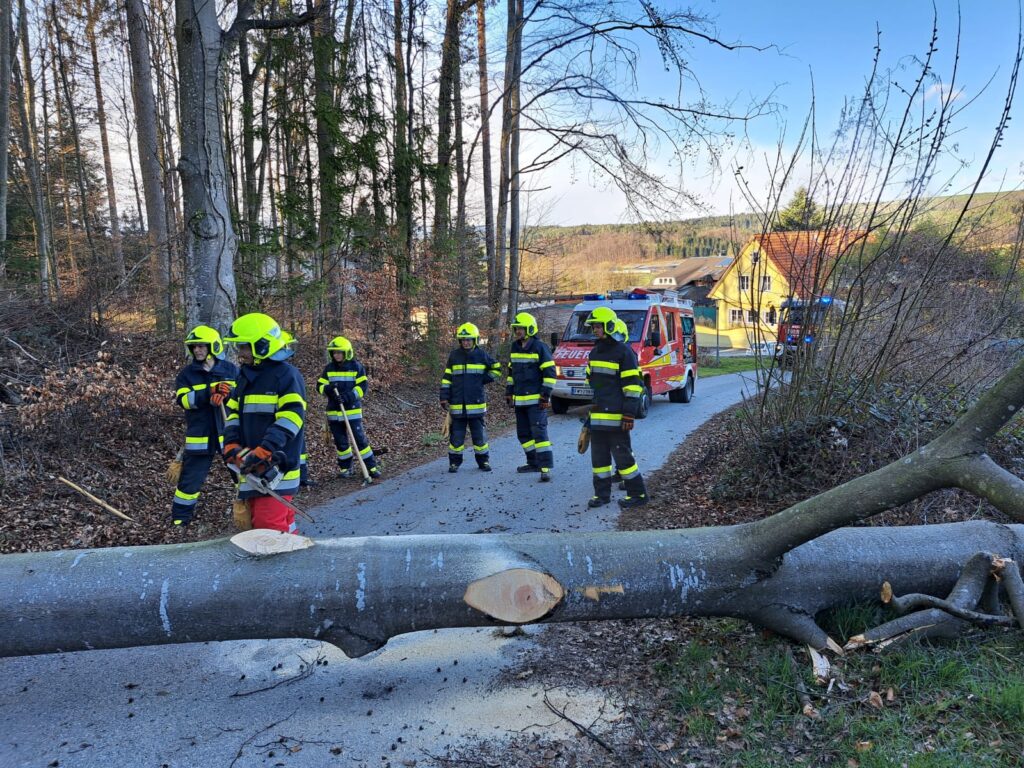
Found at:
<point>261,332</point>
<point>287,338</point>
<point>621,329</point>
<point>204,334</point>
<point>525,320</point>
<point>468,331</point>
<point>341,344</point>
<point>603,316</point>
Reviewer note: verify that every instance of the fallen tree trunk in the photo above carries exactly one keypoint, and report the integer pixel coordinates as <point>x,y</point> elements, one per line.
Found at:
<point>358,593</point>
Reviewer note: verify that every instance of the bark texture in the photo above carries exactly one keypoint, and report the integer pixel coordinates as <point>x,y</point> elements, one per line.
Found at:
<point>358,593</point>
<point>210,240</point>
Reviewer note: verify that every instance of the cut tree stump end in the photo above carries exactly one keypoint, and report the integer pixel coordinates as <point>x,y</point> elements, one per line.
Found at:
<point>518,595</point>
<point>263,541</point>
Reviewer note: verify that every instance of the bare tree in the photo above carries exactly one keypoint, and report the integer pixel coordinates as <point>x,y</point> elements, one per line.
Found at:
<point>146,133</point>
<point>6,35</point>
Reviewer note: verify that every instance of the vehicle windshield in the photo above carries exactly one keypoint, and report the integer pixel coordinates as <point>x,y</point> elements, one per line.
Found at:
<point>578,330</point>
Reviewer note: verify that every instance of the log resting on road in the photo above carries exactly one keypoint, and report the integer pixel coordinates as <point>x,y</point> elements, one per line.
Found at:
<point>356,593</point>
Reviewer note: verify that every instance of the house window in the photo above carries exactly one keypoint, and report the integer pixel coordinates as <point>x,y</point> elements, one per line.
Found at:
<point>735,315</point>
<point>744,282</point>
<point>771,316</point>
<point>766,282</point>
<point>751,316</point>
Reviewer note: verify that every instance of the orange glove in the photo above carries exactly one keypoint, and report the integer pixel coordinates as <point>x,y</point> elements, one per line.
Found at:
<point>219,393</point>
<point>627,423</point>
<point>234,453</point>
<point>257,461</point>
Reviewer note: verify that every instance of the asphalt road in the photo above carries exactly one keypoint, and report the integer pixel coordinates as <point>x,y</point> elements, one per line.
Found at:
<point>302,703</point>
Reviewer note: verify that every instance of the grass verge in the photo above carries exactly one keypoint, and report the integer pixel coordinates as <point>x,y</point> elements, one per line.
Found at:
<point>734,696</point>
<point>725,365</point>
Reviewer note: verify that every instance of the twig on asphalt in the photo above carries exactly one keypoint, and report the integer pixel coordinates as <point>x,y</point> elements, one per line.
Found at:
<point>579,726</point>
<point>252,738</point>
<point>306,672</point>
<point>466,760</point>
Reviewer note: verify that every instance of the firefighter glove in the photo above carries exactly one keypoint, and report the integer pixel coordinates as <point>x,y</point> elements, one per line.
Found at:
<point>444,406</point>
<point>511,401</point>
<point>544,404</point>
<point>348,398</point>
<point>627,423</point>
<point>257,461</point>
<point>219,393</point>
<point>233,453</point>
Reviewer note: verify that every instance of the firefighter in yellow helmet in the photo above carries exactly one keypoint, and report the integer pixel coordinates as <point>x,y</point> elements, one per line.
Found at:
<point>344,384</point>
<point>614,375</point>
<point>468,370</point>
<point>201,387</point>
<point>266,416</point>
<point>531,377</point>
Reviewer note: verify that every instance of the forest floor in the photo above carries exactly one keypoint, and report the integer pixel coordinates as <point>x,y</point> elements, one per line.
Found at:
<point>101,414</point>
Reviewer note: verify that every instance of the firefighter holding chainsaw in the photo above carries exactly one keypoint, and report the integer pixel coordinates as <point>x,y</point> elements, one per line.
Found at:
<point>614,375</point>
<point>468,370</point>
<point>344,384</point>
<point>531,377</point>
<point>201,388</point>
<point>266,415</point>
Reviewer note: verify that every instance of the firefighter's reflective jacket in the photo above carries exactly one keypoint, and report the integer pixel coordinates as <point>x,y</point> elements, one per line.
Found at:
<point>531,372</point>
<point>614,375</point>
<point>203,423</point>
<point>349,379</point>
<point>268,408</point>
<point>465,375</point>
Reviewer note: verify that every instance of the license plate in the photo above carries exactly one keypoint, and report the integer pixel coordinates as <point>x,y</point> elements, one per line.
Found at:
<point>583,391</point>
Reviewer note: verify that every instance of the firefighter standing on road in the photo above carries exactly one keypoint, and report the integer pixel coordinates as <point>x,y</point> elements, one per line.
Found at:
<point>614,375</point>
<point>530,381</point>
<point>201,388</point>
<point>266,414</point>
<point>468,369</point>
<point>344,384</point>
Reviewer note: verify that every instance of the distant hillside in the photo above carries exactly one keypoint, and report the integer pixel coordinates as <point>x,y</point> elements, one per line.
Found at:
<point>586,257</point>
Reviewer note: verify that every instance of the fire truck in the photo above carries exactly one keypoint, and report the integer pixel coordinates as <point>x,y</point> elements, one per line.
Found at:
<point>801,323</point>
<point>662,333</point>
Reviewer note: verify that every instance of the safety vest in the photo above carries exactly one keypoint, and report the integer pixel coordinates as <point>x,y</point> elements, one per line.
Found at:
<point>531,372</point>
<point>348,375</point>
<point>268,408</point>
<point>462,384</point>
<point>204,425</point>
<point>614,375</point>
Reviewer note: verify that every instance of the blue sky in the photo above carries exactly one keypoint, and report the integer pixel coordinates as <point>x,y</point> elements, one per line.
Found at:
<point>833,42</point>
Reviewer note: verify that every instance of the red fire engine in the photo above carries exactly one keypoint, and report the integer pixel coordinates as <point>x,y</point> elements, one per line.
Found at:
<point>661,332</point>
<point>801,323</point>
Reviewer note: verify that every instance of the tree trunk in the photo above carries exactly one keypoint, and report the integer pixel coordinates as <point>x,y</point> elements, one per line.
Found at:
<point>108,168</point>
<point>779,572</point>
<point>26,99</point>
<point>146,134</point>
<point>504,170</point>
<point>210,242</point>
<point>462,176</point>
<point>443,170</point>
<point>485,148</point>
<point>513,164</point>
<point>5,123</point>
<point>403,161</point>
<point>358,593</point>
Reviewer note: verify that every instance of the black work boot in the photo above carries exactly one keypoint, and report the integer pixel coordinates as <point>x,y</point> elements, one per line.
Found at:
<point>453,468</point>
<point>597,501</point>
<point>528,468</point>
<point>633,501</point>
<point>485,466</point>
<point>545,475</point>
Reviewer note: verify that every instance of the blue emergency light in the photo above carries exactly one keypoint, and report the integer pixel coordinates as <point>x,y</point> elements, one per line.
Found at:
<point>594,297</point>
<point>808,339</point>
<point>826,299</point>
<point>638,296</point>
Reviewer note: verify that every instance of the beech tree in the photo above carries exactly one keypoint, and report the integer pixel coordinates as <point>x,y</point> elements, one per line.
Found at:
<point>778,572</point>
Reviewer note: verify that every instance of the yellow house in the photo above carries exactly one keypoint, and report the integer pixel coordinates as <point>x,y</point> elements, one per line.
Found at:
<point>769,270</point>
